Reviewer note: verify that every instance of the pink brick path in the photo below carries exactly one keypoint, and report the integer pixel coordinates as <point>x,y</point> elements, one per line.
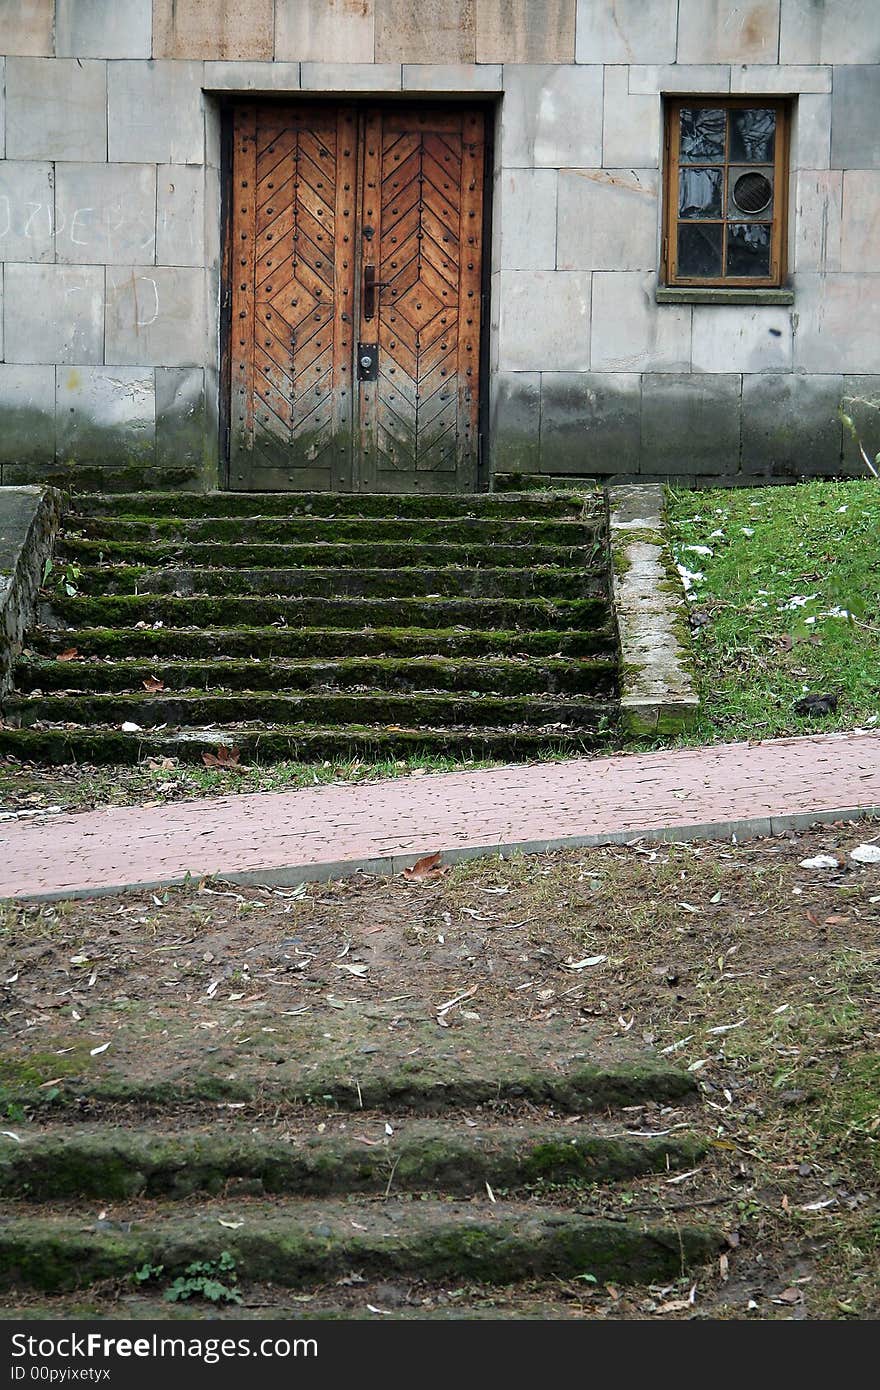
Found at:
<point>324,832</point>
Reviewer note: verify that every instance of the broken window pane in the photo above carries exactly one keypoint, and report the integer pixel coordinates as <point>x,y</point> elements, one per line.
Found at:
<point>703,132</point>
<point>699,192</point>
<point>748,248</point>
<point>752,136</point>
<point>699,250</point>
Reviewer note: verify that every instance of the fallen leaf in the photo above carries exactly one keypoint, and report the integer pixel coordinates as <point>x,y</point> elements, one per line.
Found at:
<point>231,1225</point>
<point>820,861</point>
<point>70,654</point>
<point>130,728</point>
<point>96,1050</point>
<point>427,867</point>
<point>583,964</point>
<point>153,683</point>
<point>225,757</point>
<point>8,1134</point>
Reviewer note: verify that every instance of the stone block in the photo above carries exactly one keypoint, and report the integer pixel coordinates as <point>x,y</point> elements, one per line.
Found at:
<point>860,228</point>
<point>104,415</point>
<point>590,423</point>
<point>351,77</point>
<point>56,108</point>
<point>180,215</point>
<point>181,425</point>
<point>855,113</point>
<point>26,27</point>
<point>105,214</point>
<point>27,410</point>
<point>630,125</point>
<point>103,28</point>
<point>2,108</point>
<point>790,424</point>
<point>524,219</point>
<point>516,422</point>
<point>837,323</point>
<point>817,213</point>
<point>860,398</point>
<point>758,77</point>
<point>650,79</point>
<point>811,143</point>
<point>608,219</point>
<point>317,30</point>
<point>54,313</point>
<point>27,211</point>
<point>525,31</point>
<point>156,316</point>
<point>210,219</point>
<point>251,77</point>
<point>544,320</point>
<point>816,31</point>
<point>728,31</point>
<point>155,113</point>
<point>452,77</point>
<point>690,424</point>
<point>551,117</point>
<point>630,332</point>
<point>626,31</point>
<point>435,31</point>
<point>234,29</point>
<point>741,338</point>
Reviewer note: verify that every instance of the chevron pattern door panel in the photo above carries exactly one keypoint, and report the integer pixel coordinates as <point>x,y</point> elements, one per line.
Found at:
<point>356,306</point>
<point>292,275</point>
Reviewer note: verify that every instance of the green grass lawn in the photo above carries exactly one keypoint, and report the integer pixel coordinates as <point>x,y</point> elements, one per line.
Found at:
<point>786,603</point>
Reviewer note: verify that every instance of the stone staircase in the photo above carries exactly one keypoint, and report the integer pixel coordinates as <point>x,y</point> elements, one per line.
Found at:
<point>314,626</point>
<point>427,1160</point>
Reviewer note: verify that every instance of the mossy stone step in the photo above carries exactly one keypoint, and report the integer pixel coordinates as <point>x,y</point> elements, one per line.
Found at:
<point>382,708</point>
<point>117,1164</point>
<point>278,642</point>
<point>296,1244</point>
<point>107,744</point>
<point>126,610</point>
<point>596,677</point>
<point>356,555</point>
<point>249,530</point>
<point>543,582</point>
<point>336,504</point>
<point>377,1057</point>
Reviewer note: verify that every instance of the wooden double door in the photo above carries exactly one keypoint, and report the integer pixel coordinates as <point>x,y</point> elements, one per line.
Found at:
<point>354,265</point>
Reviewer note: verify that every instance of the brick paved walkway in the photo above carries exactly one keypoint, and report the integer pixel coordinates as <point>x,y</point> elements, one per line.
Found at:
<point>325,832</point>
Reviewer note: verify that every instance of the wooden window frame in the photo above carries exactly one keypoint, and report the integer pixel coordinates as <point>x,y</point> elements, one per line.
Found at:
<point>671,165</point>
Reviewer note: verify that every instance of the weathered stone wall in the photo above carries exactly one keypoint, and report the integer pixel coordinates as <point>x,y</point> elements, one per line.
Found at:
<point>110,223</point>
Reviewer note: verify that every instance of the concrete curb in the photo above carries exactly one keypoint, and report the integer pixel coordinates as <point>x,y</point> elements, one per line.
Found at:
<point>290,875</point>
<point>658,691</point>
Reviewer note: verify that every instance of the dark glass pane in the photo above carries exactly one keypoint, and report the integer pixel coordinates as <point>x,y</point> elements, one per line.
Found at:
<point>699,250</point>
<point>752,136</point>
<point>748,248</point>
<point>699,192</point>
<point>702,134</point>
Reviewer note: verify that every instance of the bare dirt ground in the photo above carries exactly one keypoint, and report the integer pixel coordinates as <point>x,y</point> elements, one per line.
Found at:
<point>755,972</point>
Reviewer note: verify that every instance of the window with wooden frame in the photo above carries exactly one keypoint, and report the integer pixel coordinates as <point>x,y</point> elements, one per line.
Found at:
<point>725,189</point>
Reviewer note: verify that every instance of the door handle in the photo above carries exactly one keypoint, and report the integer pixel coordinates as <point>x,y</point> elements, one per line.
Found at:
<point>371,286</point>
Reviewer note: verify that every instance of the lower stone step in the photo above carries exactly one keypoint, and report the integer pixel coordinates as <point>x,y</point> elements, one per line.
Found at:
<point>380,709</point>
<point>423,1156</point>
<point>292,1244</point>
<point>102,744</point>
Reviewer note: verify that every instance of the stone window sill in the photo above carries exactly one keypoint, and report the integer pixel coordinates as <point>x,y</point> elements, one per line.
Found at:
<point>715,294</point>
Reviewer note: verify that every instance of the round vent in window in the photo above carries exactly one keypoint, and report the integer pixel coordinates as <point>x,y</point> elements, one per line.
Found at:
<point>752,192</point>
